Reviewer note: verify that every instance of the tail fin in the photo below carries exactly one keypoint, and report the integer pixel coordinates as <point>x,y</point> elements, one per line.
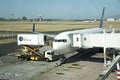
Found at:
<point>101,21</point>
<point>33,29</point>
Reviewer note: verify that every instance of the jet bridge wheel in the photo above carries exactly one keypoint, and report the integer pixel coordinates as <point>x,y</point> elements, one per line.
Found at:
<point>61,60</point>
<point>110,52</point>
<point>63,57</point>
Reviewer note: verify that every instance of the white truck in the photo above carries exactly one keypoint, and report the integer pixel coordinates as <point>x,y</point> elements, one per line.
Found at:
<point>31,47</point>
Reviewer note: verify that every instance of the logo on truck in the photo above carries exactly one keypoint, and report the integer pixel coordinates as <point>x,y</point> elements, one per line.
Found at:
<point>21,38</point>
<point>24,39</point>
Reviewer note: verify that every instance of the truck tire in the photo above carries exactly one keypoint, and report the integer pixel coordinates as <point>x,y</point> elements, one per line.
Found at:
<point>47,60</point>
<point>27,58</point>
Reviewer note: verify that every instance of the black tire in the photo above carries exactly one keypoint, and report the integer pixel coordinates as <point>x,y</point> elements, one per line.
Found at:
<point>27,58</point>
<point>47,60</point>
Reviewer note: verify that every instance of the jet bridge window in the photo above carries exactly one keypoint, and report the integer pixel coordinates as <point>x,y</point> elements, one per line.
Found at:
<point>77,39</point>
<point>85,38</point>
<point>60,40</point>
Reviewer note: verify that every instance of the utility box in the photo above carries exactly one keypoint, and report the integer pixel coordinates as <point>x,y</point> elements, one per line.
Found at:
<point>31,39</point>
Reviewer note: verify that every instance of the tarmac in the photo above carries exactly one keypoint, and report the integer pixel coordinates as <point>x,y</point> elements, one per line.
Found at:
<point>77,66</point>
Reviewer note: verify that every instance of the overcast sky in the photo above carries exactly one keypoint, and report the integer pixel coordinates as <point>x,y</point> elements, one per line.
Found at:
<point>59,9</point>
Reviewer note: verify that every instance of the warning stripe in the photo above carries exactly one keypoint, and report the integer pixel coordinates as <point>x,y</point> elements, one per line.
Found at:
<point>118,78</point>
<point>118,74</point>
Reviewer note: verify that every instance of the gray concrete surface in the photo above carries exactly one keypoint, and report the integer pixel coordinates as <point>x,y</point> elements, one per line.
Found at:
<point>86,67</point>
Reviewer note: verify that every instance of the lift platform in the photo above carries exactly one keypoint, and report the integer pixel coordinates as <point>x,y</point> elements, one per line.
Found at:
<point>31,39</point>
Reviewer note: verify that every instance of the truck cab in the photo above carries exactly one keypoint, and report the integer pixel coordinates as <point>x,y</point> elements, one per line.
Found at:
<point>49,55</point>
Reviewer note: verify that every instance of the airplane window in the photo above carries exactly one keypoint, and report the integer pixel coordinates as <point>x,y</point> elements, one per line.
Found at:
<point>55,40</point>
<point>64,40</point>
<point>60,40</point>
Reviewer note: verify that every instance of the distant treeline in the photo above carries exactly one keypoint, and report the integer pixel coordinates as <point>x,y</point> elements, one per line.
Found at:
<point>25,19</point>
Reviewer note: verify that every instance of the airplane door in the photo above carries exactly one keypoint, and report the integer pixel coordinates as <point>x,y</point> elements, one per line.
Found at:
<point>77,41</point>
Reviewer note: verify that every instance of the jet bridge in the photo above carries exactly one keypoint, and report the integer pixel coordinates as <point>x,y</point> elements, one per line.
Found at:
<point>109,40</point>
<point>105,39</point>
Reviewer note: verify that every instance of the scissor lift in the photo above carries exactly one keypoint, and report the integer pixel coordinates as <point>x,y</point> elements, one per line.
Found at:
<point>30,53</point>
<point>31,44</point>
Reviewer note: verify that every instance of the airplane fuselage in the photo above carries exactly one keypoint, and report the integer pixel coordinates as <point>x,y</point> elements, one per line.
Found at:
<point>62,42</point>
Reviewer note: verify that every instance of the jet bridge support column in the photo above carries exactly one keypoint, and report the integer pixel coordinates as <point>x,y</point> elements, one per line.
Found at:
<point>105,60</point>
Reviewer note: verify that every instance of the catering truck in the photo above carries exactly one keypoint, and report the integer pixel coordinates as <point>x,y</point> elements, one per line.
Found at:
<point>31,44</point>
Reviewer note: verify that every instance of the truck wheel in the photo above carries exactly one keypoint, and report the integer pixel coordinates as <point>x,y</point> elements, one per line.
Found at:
<point>27,58</point>
<point>47,60</point>
<point>20,58</point>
